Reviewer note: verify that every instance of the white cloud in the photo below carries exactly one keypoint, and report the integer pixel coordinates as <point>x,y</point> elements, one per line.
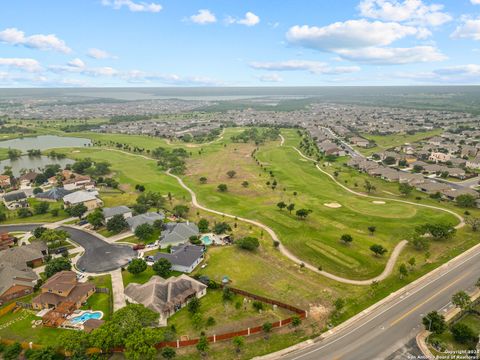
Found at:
<point>133,6</point>
<point>469,29</point>
<point>458,74</point>
<point>204,16</point>
<point>475,2</point>
<point>78,63</point>
<point>79,67</point>
<point>14,36</point>
<point>274,78</point>
<point>250,19</point>
<point>99,54</point>
<point>349,34</point>
<point>409,11</point>
<point>142,77</point>
<point>393,56</point>
<point>26,64</point>
<point>315,67</point>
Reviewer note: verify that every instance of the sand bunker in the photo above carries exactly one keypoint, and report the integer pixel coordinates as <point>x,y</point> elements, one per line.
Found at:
<point>333,205</point>
<point>378,202</point>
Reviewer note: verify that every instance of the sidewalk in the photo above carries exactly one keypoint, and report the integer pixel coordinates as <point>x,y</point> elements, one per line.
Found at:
<point>117,290</point>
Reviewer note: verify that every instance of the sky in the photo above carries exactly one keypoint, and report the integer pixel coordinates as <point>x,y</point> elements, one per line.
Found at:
<point>118,43</point>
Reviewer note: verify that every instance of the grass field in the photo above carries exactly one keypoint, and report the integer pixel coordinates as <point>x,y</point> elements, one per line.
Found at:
<point>13,218</point>
<point>385,142</point>
<point>101,301</point>
<point>315,239</point>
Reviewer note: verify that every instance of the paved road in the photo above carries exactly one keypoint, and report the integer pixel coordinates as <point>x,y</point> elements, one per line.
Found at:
<point>99,256</point>
<point>385,330</point>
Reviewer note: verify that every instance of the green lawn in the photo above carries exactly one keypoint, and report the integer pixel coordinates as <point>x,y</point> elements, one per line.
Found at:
<point>101,301</point>
<point>228,316</point>
<point>141,278</point>
<point>12,215</point>
<point>315,239</point>
<point>446,339</point>
<point>385,142</point>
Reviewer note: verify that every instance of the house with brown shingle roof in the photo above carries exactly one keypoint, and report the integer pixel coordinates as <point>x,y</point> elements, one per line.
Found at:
<point>165,296</point>
<point>63,288</point>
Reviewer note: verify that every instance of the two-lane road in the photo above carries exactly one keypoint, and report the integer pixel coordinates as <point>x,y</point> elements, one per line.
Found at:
<point>390,326</point>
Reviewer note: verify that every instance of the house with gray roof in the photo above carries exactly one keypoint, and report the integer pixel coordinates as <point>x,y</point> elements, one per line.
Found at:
<point>109,213</point>
<point>54,194</point>
<point>26,256</point>
<point>15,199</point>
<point>165,296</point>
<point>184,258</point>
<point>177,233</point>
<point>15,283</point>
<point>147,218</point>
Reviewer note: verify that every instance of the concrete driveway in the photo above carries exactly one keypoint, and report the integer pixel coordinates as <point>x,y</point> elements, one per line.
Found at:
<point>99,256</point>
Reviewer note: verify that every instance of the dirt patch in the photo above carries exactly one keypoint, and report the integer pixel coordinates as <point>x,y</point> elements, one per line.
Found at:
<point>124,187</point>
<point>333,205</point>
<point>318,312</point>
<point>378,202</point>
<point>75,151</point>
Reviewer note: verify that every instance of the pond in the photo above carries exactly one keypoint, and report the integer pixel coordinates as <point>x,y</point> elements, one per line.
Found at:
<point>32,163</point>
<point>44,142</point>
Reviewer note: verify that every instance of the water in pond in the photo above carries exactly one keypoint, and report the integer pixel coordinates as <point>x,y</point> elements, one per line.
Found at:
<point>32,163</point>
<point>44,142</point>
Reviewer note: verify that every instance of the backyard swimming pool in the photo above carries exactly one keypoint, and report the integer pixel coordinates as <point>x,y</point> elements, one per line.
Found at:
<point>206,239</point>
<point>87,315</point>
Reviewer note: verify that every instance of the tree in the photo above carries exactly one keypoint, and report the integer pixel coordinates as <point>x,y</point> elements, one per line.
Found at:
<point>37,190</point>
<point>12,352</point>
<point>372,229</point>
<point>24,213</point>
<point>96,218</point>
<point>222,187</point>
<point>140,345</point>
<point>412,262</point>
<point>439,231</point>
<point>181,210</point>
<point>296,321</point>
<point>41,208</point>
<point>473,222</point>
<point>117,224</point>
<point>462,300</point>
<point>402,269</point>
<point>221,228</point>
<point>74,342</point>
<point>203,225</point>
<point>420,243</point>
<point>144,231</point>
<point>53,238</point>
<point>77,210</point>
<point>346,239</point>
<point>405,188</point>
<point>290,207</point>
<point>57,265</point>
<point>245,184</point>
<point>463,333</point>
<point>202,345</point>
<point>45,353</point>
<point>434,322</point>
<point>238,342</point>
<point>248,243</point>
<point>158,224</point>
<point>339,304</point>
<point>168,353</point>
<point>303,213</point>
<point>231,173</point>
<point>281,205</point>
<point>227,294</point>
<point>137,266</point>
<point>203,180</point>
<point>369,187</point>
<point>466,201</point>
<point>39,231</point>
<point>378,249</point>
<point>162,267</point>
<point>389,160</point>
<point>477,284</point>
<point>193,305</point>
<point>267,328</point>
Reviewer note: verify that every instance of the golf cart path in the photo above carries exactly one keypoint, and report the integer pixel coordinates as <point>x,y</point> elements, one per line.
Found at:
<point>390,263</point>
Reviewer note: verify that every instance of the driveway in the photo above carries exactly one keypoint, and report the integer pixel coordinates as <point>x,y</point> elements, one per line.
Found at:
<point>99,256</point>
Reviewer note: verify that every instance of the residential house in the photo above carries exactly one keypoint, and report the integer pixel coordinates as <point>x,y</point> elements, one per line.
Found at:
<point>26,256</point>
<point>54,194</point>
<point>431,187</point>
<point>473,164</point>
<point>439,157</point>
<point>15,200</point>
<point>63,287</point>
<point>358,141</point>
<point>78,182</point>
<point>5,181</point>
<point>177,233</point>
<point>409,178</point>
<point>147,218</point>
<point>6,241</point>
<point>184,258</point>
<point>165,296</point>
<point>15,283</point>
<point>87,198</point>
<point>452,194</point>
<point>109,213</point>
<point>27,179</point>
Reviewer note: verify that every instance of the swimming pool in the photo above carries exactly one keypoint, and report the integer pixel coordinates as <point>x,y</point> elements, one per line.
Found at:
<point>206,239</point>
<point>87,315</point>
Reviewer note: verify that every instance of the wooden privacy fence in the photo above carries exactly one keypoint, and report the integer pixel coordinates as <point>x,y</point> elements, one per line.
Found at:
<point>302,314</point>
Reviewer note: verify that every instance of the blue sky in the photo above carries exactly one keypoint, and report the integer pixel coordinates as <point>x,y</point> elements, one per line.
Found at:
<point>56,43</point>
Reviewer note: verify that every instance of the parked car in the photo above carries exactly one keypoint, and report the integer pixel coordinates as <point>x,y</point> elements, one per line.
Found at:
<point>138,247</point>
<point>82,222</point>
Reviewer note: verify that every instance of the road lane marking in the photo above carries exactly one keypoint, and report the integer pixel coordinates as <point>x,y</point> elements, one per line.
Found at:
<point>394,322</point>
<point>412,292</point>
